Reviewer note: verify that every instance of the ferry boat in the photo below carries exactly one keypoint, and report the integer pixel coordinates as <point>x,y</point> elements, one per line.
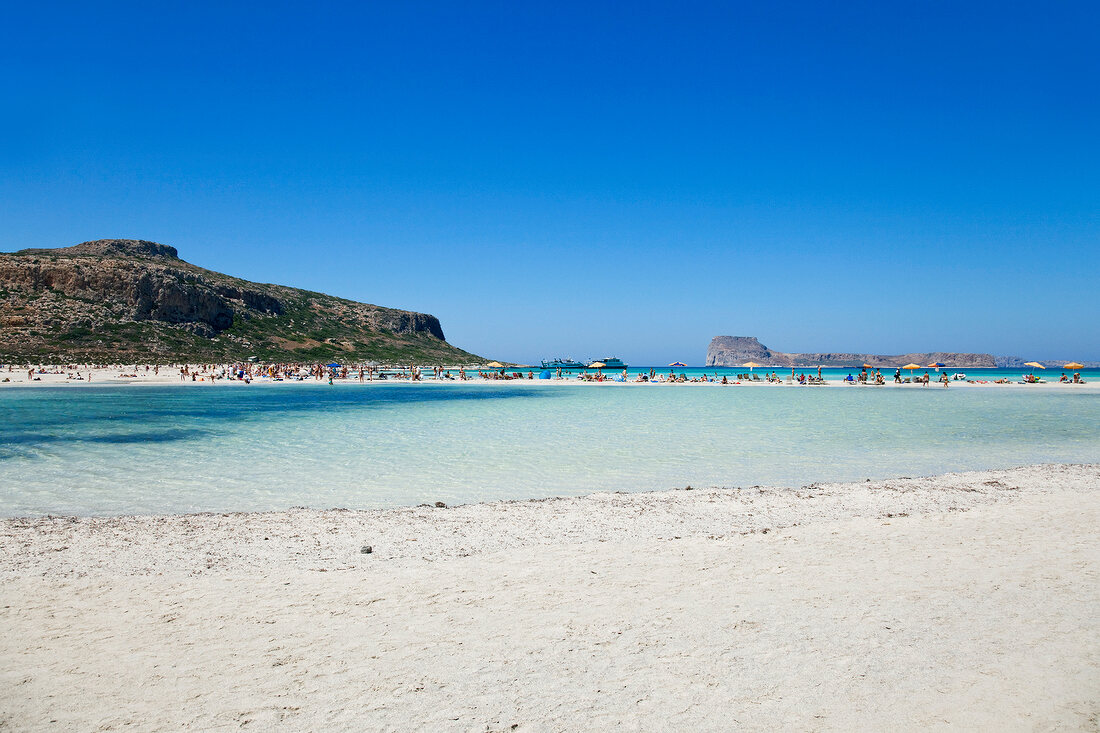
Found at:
<point>609,362</point>
<point>561,364</point>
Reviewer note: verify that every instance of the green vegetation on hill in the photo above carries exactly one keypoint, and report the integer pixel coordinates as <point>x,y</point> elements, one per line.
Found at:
<point>125,301</point>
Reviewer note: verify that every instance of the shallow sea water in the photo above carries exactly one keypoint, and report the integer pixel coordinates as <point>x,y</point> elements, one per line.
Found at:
<point>148,450</point>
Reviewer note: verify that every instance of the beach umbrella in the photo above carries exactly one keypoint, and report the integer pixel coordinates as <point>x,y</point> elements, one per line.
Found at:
<point>1034,365</point>
<point>911,367</point>
<point>867,366</point>
<point>751,364</point>
<point>937,364</point>
<point>596,365</point>
<point>1074,365</point>
<point>677,364</point>
<point>333,365</point>
<point>494,364</point>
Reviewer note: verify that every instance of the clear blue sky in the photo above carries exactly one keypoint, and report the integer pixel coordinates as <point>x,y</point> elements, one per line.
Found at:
<point>588,179</point>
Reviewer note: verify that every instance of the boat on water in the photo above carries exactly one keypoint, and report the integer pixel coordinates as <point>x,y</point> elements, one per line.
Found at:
<point>610,362</point>
<point>561,364</point>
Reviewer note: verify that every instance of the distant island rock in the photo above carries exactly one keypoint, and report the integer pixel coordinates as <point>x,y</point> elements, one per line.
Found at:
<point>732,351</point>
<point>129,300</point>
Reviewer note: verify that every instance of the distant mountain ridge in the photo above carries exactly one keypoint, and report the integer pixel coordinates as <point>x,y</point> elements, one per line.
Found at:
<point>737,350</point>
<point>1016,362</point>
<point>130,300</point>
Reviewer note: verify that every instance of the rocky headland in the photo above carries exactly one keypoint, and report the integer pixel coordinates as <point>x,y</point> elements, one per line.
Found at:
<point>731,351</point>
<point>126,300</point>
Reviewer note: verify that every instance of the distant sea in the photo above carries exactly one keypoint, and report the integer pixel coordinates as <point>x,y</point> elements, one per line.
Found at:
<point>837,373</point>
<point>149,450</point>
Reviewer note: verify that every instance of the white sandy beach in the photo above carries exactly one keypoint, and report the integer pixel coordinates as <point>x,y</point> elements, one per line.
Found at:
<point>128,375</point>
<point>965,601</point>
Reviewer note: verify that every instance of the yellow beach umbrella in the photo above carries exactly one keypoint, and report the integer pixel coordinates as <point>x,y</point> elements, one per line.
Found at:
<point>1074,365</point>
<point>911,367</point>
<point>494,364</point>
<point>868,366</point>
<point>597,365</point>
<point>750,365</point>
<point>1034,365</point>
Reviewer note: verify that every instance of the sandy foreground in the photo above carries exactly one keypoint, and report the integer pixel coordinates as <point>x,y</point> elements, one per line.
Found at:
<point>965,601</point>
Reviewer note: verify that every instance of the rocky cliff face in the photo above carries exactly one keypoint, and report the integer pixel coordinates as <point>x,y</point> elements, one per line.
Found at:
<point>136,299</point>
<point>737,350</point>
<point>156,289</point>
<point>109,248</point>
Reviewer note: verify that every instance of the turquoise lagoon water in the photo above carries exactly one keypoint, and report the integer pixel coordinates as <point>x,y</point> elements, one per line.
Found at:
<point>149,450</point>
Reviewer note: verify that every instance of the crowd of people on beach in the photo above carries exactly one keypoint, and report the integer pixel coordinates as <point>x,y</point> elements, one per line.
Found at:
<point>250,371</point>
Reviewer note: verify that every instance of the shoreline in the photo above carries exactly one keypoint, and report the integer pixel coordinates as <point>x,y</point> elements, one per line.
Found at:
<point>454,530</point>
<point>963,600</point>
<point>111,378</point>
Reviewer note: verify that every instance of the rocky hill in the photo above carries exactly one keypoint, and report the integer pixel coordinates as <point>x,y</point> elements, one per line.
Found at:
<point>736,350</point>
<point>1018,362</point>
<point>125,300</point>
